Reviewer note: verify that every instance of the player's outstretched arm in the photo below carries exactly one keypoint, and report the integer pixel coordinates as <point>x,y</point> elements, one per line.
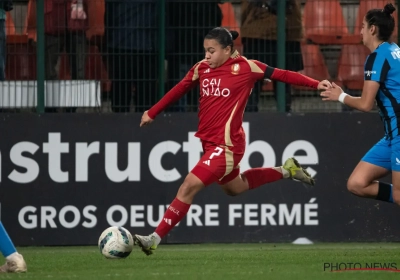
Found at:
<point>295,78</point>
<point>183,87</point>
<point>364,103</point>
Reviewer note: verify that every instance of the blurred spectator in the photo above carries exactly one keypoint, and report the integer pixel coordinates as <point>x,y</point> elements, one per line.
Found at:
<point>65,26</point>
<point>5,6</point>
<point>130,43</point>
<point>259,35</point>
<point>65,32</point>
<point>187,24</point>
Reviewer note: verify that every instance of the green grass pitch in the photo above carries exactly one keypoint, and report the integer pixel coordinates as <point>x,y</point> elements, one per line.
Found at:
<point>211,261</point>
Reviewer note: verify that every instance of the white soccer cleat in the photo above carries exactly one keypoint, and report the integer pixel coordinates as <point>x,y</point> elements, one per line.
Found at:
<point>16,264</point>
<point>148,243</point>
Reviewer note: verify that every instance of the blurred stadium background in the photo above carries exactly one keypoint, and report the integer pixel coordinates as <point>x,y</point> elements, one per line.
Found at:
<point>156,42</point>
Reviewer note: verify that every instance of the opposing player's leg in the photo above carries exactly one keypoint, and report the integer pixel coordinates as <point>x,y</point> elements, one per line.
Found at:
<point>395,195</point>
<point>395,162</point>
<point>374,165</point>
<point>235,183</point>
<point>14,261</point>
<point>362,181</point>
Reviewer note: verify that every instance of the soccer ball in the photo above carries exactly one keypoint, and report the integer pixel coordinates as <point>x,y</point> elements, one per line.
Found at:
<point>115,243</point>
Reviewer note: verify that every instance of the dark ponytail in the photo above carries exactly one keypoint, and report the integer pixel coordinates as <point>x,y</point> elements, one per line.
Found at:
<point>389,9</point>
<point>234,34</point>
<point>223,36</point>
<point>382,19</point>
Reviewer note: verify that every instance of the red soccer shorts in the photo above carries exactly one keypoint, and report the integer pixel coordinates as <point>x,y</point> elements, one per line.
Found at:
<point>218,164</point>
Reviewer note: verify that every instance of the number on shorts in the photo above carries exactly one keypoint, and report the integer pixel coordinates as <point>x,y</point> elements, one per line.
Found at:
<point>217,153</point>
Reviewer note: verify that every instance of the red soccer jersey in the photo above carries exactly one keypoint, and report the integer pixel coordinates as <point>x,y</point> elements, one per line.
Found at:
<point>223,96</point>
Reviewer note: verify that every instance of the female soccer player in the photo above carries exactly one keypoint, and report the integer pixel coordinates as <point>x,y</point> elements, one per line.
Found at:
<point>381,83</point>
<point>226,80</point>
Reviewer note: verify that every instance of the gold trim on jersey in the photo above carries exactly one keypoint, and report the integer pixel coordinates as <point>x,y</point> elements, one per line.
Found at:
<point>254,67</point>
<point>229,162</point>
<point>235,54</point>
<point>228,140</point>
<point>196,71</point>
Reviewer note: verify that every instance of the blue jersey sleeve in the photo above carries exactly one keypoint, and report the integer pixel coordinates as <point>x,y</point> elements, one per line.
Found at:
<point>376,67</point>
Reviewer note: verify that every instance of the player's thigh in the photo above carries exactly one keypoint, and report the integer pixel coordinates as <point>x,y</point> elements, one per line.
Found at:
<point>365,173</point>
<point>375,164</point>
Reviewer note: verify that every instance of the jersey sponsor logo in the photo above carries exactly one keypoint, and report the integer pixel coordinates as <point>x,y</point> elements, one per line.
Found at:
<point>369,72</point>
<point>211,87</point>
<point>235,69</point>
<point>396,54</point>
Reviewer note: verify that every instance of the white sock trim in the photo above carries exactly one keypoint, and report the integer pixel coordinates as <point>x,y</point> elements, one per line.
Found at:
<point>284,172</point>
<point>158,238</point>
<point>12,256</point>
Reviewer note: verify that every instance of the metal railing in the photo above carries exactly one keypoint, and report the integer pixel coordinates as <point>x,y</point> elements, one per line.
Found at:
<point>127,54</point>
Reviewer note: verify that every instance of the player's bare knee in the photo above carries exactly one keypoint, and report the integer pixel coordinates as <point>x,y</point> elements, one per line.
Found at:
<point>188,188</point>
<point>351,187</point>
<point>355,187</point>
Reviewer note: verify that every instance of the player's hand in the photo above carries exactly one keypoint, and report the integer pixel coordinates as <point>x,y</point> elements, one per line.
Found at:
<point>332,94</point>
<point>324,85</point>
<point>145,119</point>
